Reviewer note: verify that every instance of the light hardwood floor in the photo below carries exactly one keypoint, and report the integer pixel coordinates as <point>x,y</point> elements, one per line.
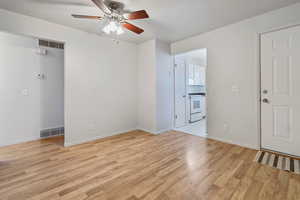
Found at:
<point>138,165</point>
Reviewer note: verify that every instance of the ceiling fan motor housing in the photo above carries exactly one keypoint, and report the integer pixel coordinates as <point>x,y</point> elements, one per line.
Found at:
<point>115,6</point>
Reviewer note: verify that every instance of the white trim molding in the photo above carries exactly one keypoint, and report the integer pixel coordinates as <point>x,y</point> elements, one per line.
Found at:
<point>68,144</point>
<point>234,143</point>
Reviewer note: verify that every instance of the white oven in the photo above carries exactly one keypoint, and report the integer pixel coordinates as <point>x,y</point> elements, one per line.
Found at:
<point>195,104</point>
<point>197,107</point>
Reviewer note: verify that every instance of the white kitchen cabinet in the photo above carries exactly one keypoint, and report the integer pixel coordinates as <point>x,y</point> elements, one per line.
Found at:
<point>196,74</point>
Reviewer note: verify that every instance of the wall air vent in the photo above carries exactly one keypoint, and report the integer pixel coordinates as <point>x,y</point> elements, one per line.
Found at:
<point>51,44</point>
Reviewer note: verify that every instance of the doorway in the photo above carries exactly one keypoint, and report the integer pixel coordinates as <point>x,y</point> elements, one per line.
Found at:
<point>190,92</point>
<point>51,76</point>
<point>31,88</point>
<point>280,91</point>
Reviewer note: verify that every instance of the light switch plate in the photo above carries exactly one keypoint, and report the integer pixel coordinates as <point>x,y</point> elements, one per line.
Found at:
<point>235,89</point>
<point>24,92</point>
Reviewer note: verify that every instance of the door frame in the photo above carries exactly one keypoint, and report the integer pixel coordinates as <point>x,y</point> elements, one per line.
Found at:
<point>259,113</point>
<point>174,91</point>
<point>37,38</point>
<point>173,87</point>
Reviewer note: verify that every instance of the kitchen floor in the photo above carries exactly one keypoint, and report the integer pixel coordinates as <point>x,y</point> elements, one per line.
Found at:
<point>197,128</point>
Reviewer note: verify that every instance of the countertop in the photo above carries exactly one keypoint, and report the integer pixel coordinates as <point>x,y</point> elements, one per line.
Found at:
<point>198,93</point>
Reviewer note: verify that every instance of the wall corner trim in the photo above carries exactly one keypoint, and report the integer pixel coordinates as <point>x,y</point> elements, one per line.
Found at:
<point>154,132</point>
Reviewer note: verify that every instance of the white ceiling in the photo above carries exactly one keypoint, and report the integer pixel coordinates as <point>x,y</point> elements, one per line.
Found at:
<point>170,20</point>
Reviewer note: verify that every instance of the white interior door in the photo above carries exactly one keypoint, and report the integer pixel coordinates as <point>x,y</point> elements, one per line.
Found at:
<point>280,87</point>
<point>180,93</point>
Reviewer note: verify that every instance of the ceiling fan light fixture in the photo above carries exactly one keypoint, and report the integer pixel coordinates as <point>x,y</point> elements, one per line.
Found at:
<point>106,29</point>
<point>113,27</point>
<point>120,30</point>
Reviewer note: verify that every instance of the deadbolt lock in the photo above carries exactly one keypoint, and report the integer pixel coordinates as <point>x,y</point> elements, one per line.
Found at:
<point>266,100</point>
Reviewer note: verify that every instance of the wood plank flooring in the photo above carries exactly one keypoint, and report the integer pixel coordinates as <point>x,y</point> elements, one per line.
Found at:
<point>140,166</point>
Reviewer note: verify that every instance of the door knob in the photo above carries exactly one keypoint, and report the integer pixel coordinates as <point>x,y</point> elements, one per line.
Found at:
<point>266,100</point>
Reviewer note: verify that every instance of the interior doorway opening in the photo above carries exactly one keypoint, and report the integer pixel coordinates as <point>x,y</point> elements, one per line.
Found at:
<point>32,89</point>
<point>190,92</point>
<point>51,77</point>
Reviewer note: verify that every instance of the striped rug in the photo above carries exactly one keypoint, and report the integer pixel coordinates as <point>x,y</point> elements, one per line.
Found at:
<point>278,161</point>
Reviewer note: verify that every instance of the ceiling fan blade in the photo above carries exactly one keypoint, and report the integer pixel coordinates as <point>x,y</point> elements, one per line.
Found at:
<point>132,28</point>
<point>86,17</point>
<point>100,4</point>
<point>141,14</point>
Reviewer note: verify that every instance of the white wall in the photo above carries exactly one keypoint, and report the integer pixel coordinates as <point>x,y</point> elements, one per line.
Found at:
<point>163,87</point>
<point>147,86</point>
<point>100,78</point>
<point>19,90</point>
<point>52,88</point>
<point>233,61</point>
<point>154,93</point>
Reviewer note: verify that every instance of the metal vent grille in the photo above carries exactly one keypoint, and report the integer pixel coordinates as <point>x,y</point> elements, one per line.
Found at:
<point>51,44</point>
<point>52,132</point>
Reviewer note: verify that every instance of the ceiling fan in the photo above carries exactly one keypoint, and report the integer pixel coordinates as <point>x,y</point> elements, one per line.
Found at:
<point>117,17</point>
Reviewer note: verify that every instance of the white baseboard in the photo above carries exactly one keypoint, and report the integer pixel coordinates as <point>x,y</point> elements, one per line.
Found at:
<point>85,140</point>
<point>186,132</point>
<point>146,130</point>
<point>68,144</point>
<point>153,132</point>
<point>30,139</point>
<point>163,130</point>
<point>232,142</point>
